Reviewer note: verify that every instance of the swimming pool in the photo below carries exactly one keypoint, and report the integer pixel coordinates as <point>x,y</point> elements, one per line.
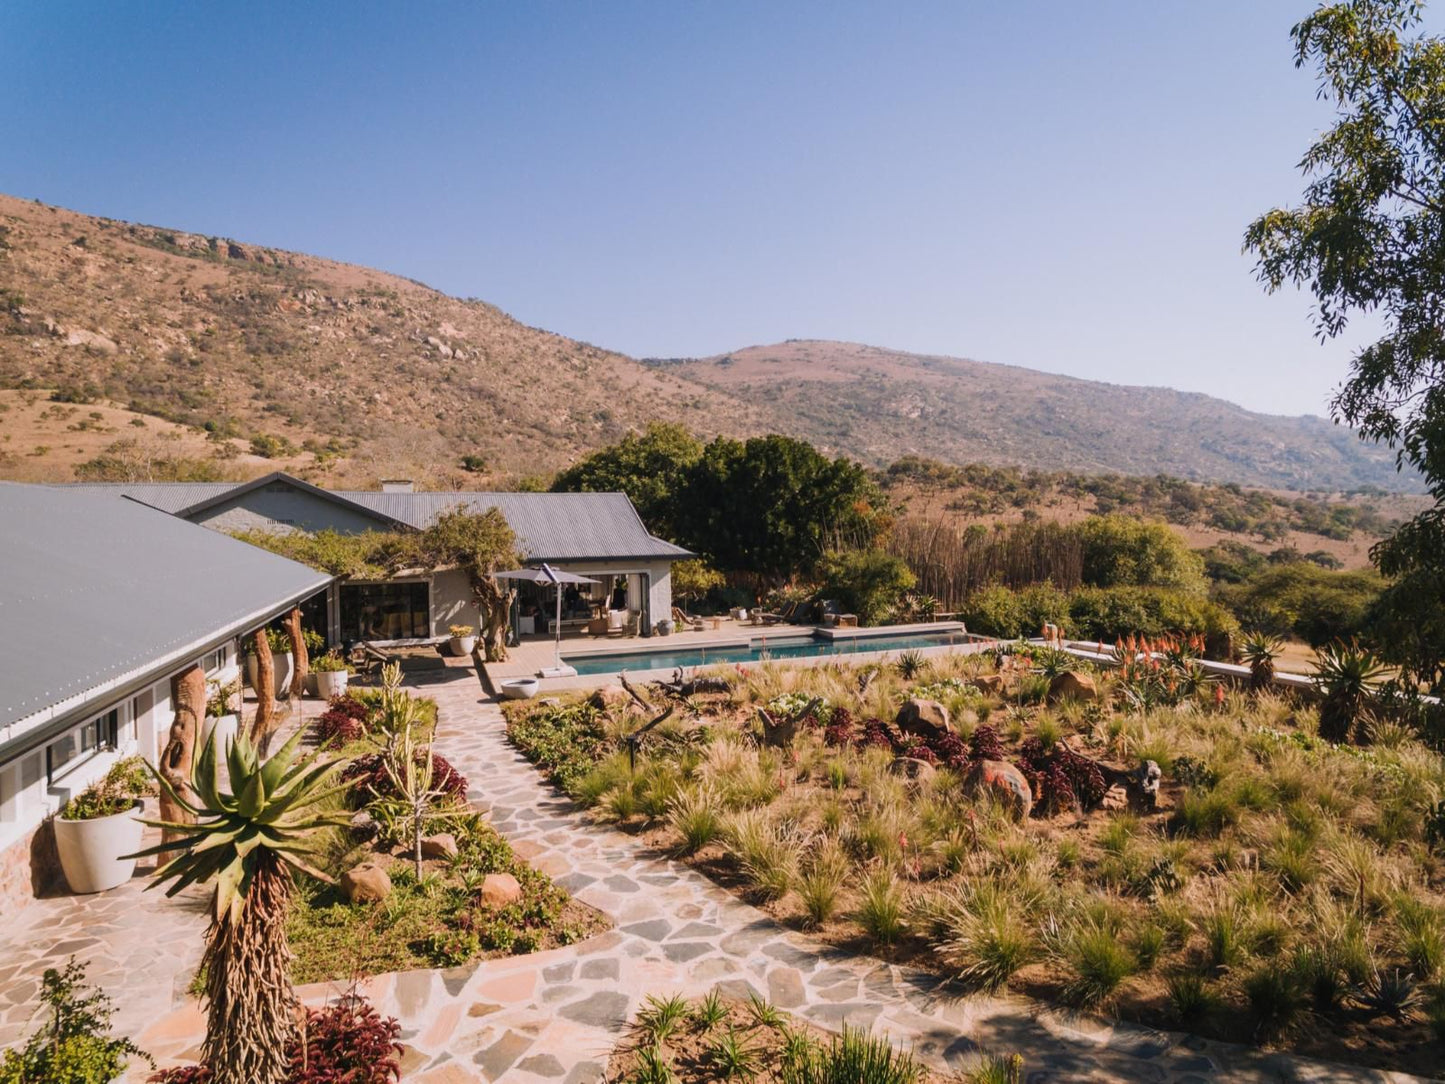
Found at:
<point>761,649</point>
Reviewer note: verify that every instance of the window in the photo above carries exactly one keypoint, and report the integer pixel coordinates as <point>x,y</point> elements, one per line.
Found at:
<point>68,752</point>
<point>217,659</point>
<point>386,611</point>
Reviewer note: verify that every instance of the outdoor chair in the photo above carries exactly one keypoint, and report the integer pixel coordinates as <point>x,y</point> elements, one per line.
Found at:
<point>686,621</point>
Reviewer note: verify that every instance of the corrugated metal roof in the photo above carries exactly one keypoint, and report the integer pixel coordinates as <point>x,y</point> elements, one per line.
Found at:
<point>93,588</point>
<point>167,496</point>
<point>549,526</point>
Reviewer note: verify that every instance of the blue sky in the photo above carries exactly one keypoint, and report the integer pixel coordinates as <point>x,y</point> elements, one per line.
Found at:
<point>1057,185</point>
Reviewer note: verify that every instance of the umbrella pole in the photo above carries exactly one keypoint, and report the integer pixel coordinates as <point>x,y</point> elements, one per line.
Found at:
<point>558,651</point>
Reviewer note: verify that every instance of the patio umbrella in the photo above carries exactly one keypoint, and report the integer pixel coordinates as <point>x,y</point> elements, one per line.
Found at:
<point>548,575</point>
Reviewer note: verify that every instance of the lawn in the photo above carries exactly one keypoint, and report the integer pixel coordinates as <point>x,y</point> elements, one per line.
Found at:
<point>1278,890</point>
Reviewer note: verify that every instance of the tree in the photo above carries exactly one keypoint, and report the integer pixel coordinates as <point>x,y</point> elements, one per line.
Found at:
<point>478,543</point>
<point>651,468</point>
<point>693,579</point>
<point>869,583</point>
<point>1123,552</point>
<point>1369,236</point>
<point>774,506</point>
<point>249,837</point>
<point>300,658</point>
<point>188,695</point>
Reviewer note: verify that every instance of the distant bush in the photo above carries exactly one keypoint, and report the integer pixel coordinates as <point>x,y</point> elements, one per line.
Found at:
<point>1301,599</point>
<point>1094,613</point>
<point>269,446</point>
<point>869,583</point>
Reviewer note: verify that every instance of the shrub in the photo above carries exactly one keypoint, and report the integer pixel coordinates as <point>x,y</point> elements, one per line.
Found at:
<point>1062,778</point>
<point>986,939</point>
<point>696,814</point>
<point>347,1041</point>
<point>856,1057</point>
<point>343,721</point>
<point>565,741</point>
<point>880,911</point>
<point>75,1046</point>
<point>1190,998</point>
<point>370,779</point>
<point>869,583</point>
<point>1275,999</point>
<point>1099,963</point>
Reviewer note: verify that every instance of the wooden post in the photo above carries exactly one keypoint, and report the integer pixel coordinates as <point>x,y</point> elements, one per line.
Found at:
<point>300,661</point>
<point>188,697</point>
<point>265,721</point>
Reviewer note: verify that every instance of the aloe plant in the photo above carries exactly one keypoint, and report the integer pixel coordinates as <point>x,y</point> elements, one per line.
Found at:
<point>248,839</point>
<point>1259,650</point>
<point>1346,677</point>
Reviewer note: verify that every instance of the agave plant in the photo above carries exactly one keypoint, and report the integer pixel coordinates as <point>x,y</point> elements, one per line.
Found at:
<point>1259,650</point>
<point>1346,676</point>
<point>248,840</point>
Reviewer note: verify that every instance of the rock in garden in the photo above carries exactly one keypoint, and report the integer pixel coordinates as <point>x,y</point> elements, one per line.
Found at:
<point>989,683</point>
<point>1006,784</point>
<point>920,771</point>
<point>1072,685</point>
<point>926,718</point>
<point>366,883</point>
<point>442,845</point>
<point>609,698</point>
<point>1115,799</point>
<point>500,890</point>
<point>363,827</point>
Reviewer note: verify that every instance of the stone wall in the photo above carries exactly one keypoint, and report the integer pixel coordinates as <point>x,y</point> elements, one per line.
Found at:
<point>28,867</point>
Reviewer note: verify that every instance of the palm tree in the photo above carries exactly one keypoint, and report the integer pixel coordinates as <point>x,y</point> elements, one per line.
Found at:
<point>1259,650</point>
<point>1346,676</point>
<point>249,841</point>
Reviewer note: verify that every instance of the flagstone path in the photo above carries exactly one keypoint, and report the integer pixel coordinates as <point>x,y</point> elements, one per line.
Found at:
<point>553,1016</point>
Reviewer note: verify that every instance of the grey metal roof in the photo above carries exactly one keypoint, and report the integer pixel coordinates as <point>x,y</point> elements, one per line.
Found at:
<point>167,496</point>
<point>548,526</point>
<point>94,588</point>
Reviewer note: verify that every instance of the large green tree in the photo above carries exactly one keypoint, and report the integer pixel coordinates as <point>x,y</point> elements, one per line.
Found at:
<point>651,468</point>
<point>1369,237</point>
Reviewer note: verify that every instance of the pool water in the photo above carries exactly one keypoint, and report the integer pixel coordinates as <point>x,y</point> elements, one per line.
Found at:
<point>761,649</point>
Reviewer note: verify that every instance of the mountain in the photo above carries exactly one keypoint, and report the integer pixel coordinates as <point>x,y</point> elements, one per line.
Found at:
<point>133,350</point>
<point>374,374</point>
<point>884,404</point>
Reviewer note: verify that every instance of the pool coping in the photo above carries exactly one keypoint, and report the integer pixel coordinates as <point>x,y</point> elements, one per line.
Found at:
<point>820,634</point>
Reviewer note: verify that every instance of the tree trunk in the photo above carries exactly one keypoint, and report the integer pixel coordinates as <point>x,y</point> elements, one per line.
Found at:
<point>495,606</point>
<point>188,695</point>
<point>300,661</point>
<point>265,721</point>
<point>251,1005</point>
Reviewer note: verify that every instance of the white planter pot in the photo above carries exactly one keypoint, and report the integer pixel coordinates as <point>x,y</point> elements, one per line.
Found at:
<point>225,727</point>
<point>520,688</point>
<point>90,850</point>
<point>330,683</point>
<point>280,663</point>
<point>463,645</point>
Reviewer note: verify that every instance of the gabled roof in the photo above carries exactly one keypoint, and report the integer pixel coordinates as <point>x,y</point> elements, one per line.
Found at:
<point>548,526</point>
<point>96,589</point>
<point>331,495</point>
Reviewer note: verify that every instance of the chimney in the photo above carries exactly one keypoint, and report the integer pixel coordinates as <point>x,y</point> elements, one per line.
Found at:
<point>398,485</point>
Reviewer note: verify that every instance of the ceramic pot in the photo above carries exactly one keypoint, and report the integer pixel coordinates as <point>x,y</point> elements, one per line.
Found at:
<point>90,850</point>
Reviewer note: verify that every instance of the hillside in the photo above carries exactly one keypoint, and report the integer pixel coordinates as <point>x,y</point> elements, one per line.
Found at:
<point>881,405</point>
<point>347,373</point>
<point>209,357</point>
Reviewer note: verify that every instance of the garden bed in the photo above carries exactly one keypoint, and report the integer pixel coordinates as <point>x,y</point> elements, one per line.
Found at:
<point>1278,889</point>
<point>716,1038</point>
<point>472,897</point>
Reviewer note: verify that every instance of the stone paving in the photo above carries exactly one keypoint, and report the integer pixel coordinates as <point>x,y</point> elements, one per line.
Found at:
<point>554,1016</point>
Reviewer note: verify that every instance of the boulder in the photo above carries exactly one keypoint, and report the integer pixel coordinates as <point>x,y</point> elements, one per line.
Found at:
<point>919,771</point>
<point>363,826</point>
<point>1072,685</point>
<point>500,890</point>
<point>926,718</point>
<point>1115,798</point>
<point>989,683</point>
<point>1005,783</point>
<point>609,698</point>
<point>441,845</point>
<point>91,341</point>
<point>366,883</point>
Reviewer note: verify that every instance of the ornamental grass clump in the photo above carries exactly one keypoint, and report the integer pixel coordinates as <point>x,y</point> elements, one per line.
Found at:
<point>249,840</point>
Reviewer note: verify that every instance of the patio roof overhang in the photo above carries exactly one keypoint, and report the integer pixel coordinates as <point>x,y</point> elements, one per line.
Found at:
<point>27,734</point>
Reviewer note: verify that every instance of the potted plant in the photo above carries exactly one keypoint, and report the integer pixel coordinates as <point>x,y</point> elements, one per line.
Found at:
<point>332,673</point>
<point>464,639</point>
<point>99,825</point>
<point>520,688</point>
<point>280,660</point>
<point>222,715</point>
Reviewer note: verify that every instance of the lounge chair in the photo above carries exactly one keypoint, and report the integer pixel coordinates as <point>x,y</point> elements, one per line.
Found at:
<point>685,620</point>
<point>785,616</point>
